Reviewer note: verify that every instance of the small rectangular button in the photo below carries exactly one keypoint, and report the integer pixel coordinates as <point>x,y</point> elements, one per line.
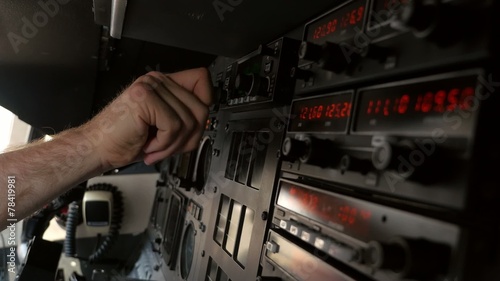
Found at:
<point>306,236</point>
<point>283,224</point>
<point>295,230</point>
<point>272,247</point>
<point>319,243</point>
<point>268,67</point>
<point>280,213</point>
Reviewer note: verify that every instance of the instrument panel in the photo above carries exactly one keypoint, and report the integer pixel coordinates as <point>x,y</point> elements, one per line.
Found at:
<point>351,151</point>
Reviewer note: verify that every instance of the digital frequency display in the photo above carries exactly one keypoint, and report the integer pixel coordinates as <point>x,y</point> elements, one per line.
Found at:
<point>416,107</point>
<point>324,114</point>
<point>353,217</point>
<point>338,26</point>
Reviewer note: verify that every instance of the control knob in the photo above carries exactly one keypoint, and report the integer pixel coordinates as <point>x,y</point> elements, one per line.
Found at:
<point>301,74</point>
<point>350,163</point>
<point>421,16</point>
<point>410,258</point>
<point>293,149</point>
<point>409,159</point>
<point>252,84</point>
<point>329,56</point>
<point>312,151</point>
<point>433,19</point>
<point>386,156</point>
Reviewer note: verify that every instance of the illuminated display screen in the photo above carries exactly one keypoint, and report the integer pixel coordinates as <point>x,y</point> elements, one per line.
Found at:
<point>417,107</point>
<point>351,216</point>
<point>340,25</point>
<point>324,114</point>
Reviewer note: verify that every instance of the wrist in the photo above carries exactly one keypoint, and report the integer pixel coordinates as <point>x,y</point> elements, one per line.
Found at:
<point>85,149</point>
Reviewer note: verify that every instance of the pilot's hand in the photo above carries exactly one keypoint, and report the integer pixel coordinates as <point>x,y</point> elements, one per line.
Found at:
<point>155,117</point>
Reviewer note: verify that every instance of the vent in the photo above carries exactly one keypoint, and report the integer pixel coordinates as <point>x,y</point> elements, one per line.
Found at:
<point>246,157</point>
<point>234,228</point>
<point>215,273</point>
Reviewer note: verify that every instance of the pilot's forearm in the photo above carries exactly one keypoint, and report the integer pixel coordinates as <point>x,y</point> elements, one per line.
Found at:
<point>44,170</point>
<point>155,117</point>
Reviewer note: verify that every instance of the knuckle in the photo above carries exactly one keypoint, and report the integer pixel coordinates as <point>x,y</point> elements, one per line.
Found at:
<point>140,90</point>
<point>143,79</point>
<point>175,125</point>
<point>153,80</point>
<point>203,72</point>
<point>190,125</point>
<point>155,74</point>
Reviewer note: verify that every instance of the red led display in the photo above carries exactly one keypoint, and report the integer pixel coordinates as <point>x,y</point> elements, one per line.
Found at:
<point>328,113</point>
<point>429,102</point>
<point>415,106</point>
<point>325,111</point>
<point>328,209</point>
<point>352,18</point>
<point>340,25</point>
<point>307,199</point>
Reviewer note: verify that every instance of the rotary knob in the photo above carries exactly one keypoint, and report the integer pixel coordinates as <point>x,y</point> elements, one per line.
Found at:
<point>312,151</point>
<point>350,163</point>
<point>301,74</point>
<point>409,258</point>
<point>415,161</point>
<point>252,84</point>
<point>421,16</point>
<point>386,256</point>
<point>385,156</point>
<point>329,56</point>
<point>309,51</point>
<point>244,83</point>
<point>293,149</point>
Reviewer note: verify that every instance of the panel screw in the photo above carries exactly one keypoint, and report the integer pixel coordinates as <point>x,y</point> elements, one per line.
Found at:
<point>264,215</point>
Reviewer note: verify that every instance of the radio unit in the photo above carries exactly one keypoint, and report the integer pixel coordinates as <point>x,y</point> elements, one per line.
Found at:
<point>260,78</point>
<point>382,242</point>
<point>360,40</point>
<point>410,139</point>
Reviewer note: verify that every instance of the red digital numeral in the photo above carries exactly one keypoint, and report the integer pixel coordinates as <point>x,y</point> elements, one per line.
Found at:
<point>361,13</point>
<point>403,104</point>
<point>465,98</point>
